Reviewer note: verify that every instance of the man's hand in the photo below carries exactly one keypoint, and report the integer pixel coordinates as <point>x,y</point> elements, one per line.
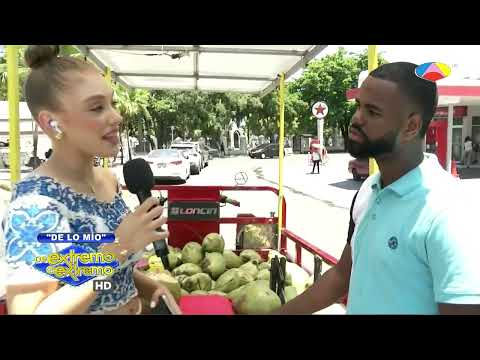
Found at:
<point>457,309</point>
<point>330,288</point>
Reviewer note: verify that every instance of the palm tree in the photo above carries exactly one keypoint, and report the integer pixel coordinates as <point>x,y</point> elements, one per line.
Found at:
<point>133,106</point>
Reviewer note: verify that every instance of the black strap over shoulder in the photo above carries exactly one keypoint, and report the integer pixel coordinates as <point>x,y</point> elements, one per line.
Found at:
<point>351,226</point>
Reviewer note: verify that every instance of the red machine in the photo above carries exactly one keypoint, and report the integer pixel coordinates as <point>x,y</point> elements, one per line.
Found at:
<point>184,230</point>
<point>193,212</point>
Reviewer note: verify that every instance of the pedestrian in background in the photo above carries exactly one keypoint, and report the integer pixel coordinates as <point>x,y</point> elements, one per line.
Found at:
<point>467,155</point>
<point>316,160</point>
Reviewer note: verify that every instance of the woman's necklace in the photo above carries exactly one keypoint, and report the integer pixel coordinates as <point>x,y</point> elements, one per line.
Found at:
<point>91,189</point>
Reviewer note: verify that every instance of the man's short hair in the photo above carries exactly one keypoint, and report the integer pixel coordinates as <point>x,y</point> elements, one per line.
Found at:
<point>422,93</point>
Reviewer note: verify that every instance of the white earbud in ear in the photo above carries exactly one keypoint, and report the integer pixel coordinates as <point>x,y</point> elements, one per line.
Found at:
<point>54,126</point>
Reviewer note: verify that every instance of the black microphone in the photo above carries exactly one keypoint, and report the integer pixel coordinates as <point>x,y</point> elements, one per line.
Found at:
<point>140,181</point>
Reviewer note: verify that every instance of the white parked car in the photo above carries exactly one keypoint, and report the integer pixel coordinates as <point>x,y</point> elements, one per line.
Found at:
<point>196,161</point>
<point>169,164</point>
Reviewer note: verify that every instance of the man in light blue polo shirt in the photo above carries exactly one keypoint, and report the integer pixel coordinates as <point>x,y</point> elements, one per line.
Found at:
<point>412,245</point>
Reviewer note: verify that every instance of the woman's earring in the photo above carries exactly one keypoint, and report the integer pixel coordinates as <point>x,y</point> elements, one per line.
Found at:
<point>54,126</point>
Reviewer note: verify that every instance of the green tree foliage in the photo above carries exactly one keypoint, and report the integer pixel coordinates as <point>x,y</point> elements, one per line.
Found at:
<point>328,80</point>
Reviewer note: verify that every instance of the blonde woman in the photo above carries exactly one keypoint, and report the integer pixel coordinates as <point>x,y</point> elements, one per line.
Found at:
<point>73,105</point>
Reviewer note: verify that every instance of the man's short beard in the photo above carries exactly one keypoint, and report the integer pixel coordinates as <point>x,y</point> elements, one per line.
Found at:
<point>373,149</point>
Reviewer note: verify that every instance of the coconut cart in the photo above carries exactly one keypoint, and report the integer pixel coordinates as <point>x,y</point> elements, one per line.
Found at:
<point>194,212</point>
<point>254,69</point>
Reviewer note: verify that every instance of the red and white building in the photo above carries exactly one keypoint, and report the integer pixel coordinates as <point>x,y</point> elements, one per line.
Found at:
<point>457,116</point>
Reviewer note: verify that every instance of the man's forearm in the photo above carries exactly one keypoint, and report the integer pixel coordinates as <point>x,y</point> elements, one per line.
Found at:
<point>325,292</point>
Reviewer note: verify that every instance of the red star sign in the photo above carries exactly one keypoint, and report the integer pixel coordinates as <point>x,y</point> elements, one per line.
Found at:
<point>319,109</point>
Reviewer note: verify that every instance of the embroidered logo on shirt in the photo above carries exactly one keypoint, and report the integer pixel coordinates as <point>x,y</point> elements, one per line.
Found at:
<point>393,243</point>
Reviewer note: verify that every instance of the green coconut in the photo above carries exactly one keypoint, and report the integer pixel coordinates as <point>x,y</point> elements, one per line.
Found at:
<point>188,269</point>
<point>250,255</point>
<point>262,283</point>
<point>228,281</point>
<point>199,281</point>
<point>192,253</point>
<point>309,282</point>
<point>199,292</point>
<point>180,278</point>
<point>263,266</point>
<point>254,237</point>
<point>173,249</point>
<point>213,242</point>
<point>250,268</point>
<point>232,260</point>
<point>263,274</point>
<point>244,277</point>
<point>236,295</point>
<point>290,293</point>
<point>299,277</point>
<point>258,300</point>
<point>174,260</point>
<point>213,264</point>
<point>166,280</point>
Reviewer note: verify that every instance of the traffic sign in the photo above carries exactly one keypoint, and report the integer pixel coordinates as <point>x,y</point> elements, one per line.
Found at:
<point>320,110</point>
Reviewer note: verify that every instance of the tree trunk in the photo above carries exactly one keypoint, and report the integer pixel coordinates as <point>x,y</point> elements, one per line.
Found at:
<point>128,140</point>
<point>158,134</point>
<point>35,140</point>
<point>149,129</point>
<point>152,143</point>
<point>121,142</point>
<point>345,139</point>
<point>141,136</point>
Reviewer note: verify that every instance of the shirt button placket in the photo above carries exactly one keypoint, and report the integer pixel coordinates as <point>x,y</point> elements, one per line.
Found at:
<point>377,201</point>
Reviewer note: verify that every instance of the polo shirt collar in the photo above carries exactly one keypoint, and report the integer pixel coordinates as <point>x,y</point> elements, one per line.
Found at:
<point>407,183</point>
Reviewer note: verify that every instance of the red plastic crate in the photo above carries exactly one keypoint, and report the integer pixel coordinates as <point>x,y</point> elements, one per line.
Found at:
<point>205,305</point>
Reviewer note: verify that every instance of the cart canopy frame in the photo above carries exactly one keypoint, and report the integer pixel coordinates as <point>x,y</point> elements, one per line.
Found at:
<point>250,69</point>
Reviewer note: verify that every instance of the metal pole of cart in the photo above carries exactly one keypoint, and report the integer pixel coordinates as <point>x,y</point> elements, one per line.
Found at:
<point>372,65</point>
<point>281,140</point>
<point>108,79</point>
<point>13,118</point>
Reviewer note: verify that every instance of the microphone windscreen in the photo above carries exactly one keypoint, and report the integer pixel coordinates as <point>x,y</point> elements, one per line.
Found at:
<point>138,176</point>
